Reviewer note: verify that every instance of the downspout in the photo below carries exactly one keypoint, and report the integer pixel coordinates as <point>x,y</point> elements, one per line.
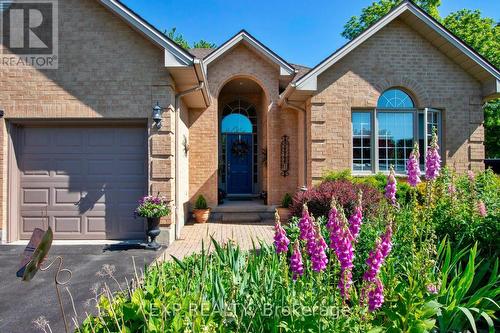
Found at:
<point>178,97</point>
<point>294,107</point>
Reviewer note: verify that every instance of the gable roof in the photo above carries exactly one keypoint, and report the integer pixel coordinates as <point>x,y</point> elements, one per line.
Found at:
<point>448,43</point>
<point>177,56</point>
<point>244,36</point>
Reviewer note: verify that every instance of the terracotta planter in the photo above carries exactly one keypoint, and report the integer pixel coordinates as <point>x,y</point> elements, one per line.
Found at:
<point>284,213</point>
<point>201,215</point>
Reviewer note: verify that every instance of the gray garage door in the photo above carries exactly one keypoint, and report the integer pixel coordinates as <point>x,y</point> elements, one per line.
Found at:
<point>87,179</point>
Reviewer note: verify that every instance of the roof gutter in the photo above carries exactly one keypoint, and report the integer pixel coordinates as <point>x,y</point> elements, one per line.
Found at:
<point>178,96</point>
<point>202,78</point>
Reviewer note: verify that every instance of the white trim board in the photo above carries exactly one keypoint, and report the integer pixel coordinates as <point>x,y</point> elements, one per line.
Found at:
<point>285,68</point>
<point>309,81</point>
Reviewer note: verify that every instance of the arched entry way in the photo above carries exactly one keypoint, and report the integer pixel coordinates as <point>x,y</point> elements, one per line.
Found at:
<point>241,138</point>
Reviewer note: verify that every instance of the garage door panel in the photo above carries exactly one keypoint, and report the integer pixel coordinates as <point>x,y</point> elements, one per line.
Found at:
<point>86,180</point>
<point>68,224</point>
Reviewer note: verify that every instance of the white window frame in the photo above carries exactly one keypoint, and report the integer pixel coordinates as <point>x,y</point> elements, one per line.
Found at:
<point>374,148</point>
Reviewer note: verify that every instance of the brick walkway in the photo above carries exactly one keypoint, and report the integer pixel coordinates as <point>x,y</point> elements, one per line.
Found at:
<point>242,233</point>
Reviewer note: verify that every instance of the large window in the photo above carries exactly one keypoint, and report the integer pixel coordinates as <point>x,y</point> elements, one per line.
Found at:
<point>396,125</point>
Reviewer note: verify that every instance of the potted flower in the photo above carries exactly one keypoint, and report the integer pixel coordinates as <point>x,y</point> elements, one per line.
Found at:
<point>153,208</point>
<point>284,211</point>
<point>201,210</point>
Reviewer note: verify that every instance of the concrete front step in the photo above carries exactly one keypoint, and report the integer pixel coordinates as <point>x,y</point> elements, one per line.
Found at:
<point>241,212</point>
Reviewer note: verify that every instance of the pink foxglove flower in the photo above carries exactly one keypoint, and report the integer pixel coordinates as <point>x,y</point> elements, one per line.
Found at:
<point>319,259</point>
<point>345,255</point>
<point>481,208</point>
<point>296,265</point>
<point>356,218</point>
<point>281,241</point>
<point>377,256</point>
<point>452,189</point>
<point>305,224</point>
<point>432,288</point>
<point>390,188</point>
<point>471,176</point>
<point>334,225</point>
<point>432,159</point>
<point>413,168</point>
<point>376,296</point>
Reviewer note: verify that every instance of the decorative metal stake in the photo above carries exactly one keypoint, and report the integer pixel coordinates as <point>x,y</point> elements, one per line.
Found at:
<point>58,282</point>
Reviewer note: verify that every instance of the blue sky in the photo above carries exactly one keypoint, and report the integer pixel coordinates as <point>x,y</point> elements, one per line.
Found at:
<point>290,28</point>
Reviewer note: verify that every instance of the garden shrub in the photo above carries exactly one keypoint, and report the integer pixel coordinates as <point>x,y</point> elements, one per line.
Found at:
<point>345,192</point>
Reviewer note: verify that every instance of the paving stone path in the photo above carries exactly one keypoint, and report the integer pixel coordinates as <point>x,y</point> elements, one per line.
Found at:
<point>241,233</point>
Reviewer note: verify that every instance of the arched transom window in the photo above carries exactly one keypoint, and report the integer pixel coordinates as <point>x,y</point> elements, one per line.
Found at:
<point>395,99</point>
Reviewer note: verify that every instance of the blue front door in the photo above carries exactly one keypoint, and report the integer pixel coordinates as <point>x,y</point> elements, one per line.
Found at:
<point>239,163</point>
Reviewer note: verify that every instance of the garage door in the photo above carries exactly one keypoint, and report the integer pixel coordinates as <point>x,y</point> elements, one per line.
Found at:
<point>82,181</point>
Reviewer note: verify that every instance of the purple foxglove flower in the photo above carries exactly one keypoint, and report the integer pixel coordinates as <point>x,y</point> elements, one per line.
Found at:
<point>413,168</point>
<point>344,250</point>
<point>280,240</point>
<point>376,296</point>
<point>311,238</point>
<point>432,159</point>
<point>305,224</point>
<point>296,265</point>
<point>377,256</point>
<point>390,188</point>
<point>334,225</point>
<point>481,208</point>
<point>356,218</point>
<point>319,259</point>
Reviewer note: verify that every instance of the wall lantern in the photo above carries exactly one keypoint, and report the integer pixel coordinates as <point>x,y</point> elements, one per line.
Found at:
<point>1,114</point>
<point>157,117</point>
<point>285,156</point>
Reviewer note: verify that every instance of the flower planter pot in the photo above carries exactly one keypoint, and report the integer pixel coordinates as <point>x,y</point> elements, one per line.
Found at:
<point>153,232</point>
<point>284,213</point>
<point>201,215</point>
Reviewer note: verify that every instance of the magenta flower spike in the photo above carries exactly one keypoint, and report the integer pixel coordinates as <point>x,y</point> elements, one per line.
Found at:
<point>413,168</point>
<point>345,254</point>
<point>356,218</point>
<point>305,224</point>
<point>319,260</point>
<point>391,187</point>
<point>334,225</point>
<point>296,265</point>
<point>281,241</point>
<point>376,296</point>
<point>377,256</point>
<point>471,176</point>
<point>432,159</point>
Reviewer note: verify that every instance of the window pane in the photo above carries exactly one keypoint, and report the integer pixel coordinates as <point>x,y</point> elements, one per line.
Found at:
<point>236,123</point>
<point>433,121</point>
<point>395,99</point>
<point>395,137</point>
<point>362,131</point>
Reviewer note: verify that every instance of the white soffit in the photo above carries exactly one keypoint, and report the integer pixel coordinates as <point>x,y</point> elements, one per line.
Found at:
<point>285,68</point>
<point>309,81</point>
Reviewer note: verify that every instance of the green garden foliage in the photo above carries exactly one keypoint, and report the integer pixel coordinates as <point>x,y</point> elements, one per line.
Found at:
<point>440,276</point>
<point>201,203</point>
<point>286,201</point>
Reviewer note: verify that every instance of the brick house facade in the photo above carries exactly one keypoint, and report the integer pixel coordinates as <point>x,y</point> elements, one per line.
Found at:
<point>297,122</point>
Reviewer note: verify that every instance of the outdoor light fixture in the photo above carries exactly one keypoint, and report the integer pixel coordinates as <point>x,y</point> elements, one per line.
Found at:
<point>1,113</point>
<point>157,118</point>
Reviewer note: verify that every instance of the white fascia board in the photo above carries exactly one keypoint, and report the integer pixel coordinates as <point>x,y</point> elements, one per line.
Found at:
<point>176,56</point>
<point>285,69</point>
<point>309,81</point>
